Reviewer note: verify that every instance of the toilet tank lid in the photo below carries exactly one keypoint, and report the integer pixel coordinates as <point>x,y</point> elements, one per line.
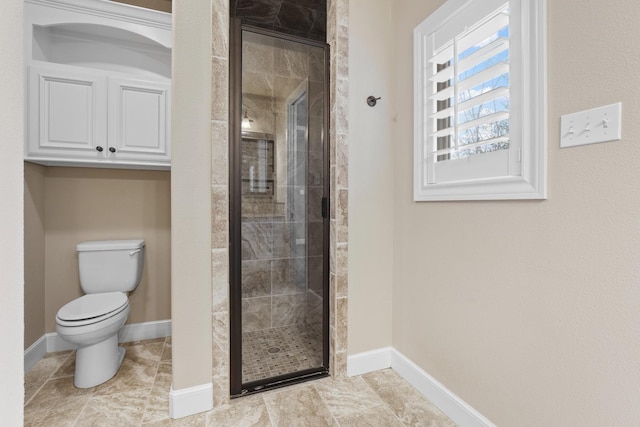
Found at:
<point>110,245</point>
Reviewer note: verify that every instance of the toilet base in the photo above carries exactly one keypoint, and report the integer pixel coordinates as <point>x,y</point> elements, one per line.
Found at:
<point>98,363</point>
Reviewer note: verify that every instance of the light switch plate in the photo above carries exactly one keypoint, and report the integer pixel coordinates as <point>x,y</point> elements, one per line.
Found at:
<point>600,124</point>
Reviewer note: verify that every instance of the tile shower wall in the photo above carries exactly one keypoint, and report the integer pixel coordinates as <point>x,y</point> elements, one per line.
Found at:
<point>220,199</point>
<point>278,250</point>
<point>338,39</point>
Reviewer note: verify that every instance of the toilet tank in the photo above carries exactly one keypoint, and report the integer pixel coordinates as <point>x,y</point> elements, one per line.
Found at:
<point>110,265</point>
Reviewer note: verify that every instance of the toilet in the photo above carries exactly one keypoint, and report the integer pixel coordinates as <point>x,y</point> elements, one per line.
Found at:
<point>109,269</point>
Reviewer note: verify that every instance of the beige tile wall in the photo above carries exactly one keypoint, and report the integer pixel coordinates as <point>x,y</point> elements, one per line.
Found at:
<point>220,199</point>
<point>338,39</point>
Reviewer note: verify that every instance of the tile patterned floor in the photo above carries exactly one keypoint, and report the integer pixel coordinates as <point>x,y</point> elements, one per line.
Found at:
<point>277,351</point>
<point>139,396</point>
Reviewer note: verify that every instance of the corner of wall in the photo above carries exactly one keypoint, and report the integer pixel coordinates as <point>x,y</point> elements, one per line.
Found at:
<point>11,214</point>
<point>191,193</point>
<point>34,252</point>
<point>370,156</point>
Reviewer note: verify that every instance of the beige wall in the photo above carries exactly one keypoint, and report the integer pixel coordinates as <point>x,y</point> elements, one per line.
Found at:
<point>11,213</point>
<point>371,148</point>
<point>529,310</point>
<point>34,252</point>
<point>65,206</point>
<point>99,204</point>
<point>161,5</point>
<point>191,194</point>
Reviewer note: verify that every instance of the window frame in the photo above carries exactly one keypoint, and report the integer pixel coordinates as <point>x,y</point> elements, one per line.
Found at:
<point>528,75</point>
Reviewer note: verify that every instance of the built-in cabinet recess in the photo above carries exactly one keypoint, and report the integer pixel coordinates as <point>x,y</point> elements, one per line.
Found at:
<point>258,165</point>
<point>98,84</point>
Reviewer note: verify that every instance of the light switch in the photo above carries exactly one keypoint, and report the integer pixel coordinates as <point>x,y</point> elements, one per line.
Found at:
<point>600,124</point>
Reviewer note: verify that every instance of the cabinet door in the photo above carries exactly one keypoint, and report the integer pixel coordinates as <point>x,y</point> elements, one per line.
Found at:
<point>139,122</point>
<point>67,113</point>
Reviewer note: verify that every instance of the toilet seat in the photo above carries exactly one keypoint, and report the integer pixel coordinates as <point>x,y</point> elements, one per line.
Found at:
<point>92,308</point>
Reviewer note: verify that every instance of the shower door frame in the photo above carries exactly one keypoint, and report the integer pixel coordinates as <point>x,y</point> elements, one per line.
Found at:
<point>237,388</point>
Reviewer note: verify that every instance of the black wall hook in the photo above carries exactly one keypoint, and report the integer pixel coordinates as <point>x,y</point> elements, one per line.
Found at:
<point>372,101</point>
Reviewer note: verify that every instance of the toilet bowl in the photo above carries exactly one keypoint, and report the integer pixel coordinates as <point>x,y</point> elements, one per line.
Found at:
<point>95,334</point>
<point>108,269</point>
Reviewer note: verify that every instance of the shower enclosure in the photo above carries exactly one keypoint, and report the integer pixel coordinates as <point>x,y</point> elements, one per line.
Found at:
<point>279,213</point>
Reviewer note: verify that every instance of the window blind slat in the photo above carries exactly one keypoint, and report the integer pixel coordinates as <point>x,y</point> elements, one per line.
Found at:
<point>443,94</point>
<point>443,114</point>
<point>503,138</point>
<point>481,32</point>
<point>443,132</point>
<point>443,56</point>
<point>442,76</point>
<point>484,76</point>
<point>488,51</point>
<point>501,92</point>
<point>489,118</point>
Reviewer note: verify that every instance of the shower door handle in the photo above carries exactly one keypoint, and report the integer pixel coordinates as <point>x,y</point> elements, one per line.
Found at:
<point>325,203</point>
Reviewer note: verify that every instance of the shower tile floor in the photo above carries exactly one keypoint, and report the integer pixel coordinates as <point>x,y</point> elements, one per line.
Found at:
<point>139,396</point>
<point>276,351</point>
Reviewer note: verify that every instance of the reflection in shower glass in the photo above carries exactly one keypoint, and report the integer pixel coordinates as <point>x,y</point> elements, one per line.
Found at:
<point>282,222</point>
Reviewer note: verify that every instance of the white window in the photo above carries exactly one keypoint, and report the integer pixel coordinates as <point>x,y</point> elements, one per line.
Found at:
<point>480,101</point>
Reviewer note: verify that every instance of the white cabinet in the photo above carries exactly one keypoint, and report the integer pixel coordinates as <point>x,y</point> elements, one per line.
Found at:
<point>67,113</point>
<point>85,116</point>
<point>139,125</point>
<point>98,86</point>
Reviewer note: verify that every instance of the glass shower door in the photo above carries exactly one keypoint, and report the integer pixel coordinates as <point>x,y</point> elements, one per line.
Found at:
<point>283,226</point>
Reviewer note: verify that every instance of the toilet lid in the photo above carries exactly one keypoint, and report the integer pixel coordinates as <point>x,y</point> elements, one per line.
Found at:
<point>92,305</point>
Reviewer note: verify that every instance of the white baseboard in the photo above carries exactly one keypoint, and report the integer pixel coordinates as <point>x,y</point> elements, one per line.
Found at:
<point>55,343</point>
<point>454,407</point>
<point>35,352</point>
<point>145,331</point>
<point>51,342</point>
<point>190,401</point>
<point>369,361</point>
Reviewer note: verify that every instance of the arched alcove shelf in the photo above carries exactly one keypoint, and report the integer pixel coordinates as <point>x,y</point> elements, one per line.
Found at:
<point>98,34</point>
<point>152,24</point>
<point>100,46</point>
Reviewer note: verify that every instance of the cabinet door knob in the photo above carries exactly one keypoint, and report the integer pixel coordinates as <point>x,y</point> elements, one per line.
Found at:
<point>99,149</point>
<point>112,149</point>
